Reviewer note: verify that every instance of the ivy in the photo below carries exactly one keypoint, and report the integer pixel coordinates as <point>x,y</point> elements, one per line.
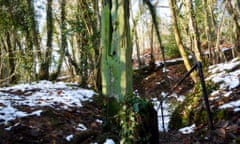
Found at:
<point>132,116</point>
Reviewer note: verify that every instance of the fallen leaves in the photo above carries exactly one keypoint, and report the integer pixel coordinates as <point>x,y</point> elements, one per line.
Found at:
<point>53,126</point>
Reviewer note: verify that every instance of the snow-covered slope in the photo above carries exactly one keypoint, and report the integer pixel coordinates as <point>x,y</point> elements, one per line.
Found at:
<point>38,94</point>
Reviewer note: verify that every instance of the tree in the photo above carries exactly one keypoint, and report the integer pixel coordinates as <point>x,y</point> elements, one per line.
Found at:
<point>219,54</point>
<point>63,40</point>
<point>193,29</point>
<point>82,55</point>
<point>116,50</point>
<point>34,37</point>
<point>155,24</point>
<point>10,45</point>
<point>208,27</point>
<point>46,61</point>
<point>10,23</point>
<point>235,16</point>
<point>173,6</point>
<point>116,67</point>
<point>135,33</point>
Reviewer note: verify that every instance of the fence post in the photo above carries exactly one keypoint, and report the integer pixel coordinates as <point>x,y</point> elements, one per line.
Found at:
<point>205,95</point>
<point>198,66</point>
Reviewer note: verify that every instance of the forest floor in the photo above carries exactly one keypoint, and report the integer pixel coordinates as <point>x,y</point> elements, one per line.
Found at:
<point>84,124</point>
<point>151,82</point>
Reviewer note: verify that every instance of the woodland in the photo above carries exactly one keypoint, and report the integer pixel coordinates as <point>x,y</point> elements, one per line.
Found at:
<point>120,71</point>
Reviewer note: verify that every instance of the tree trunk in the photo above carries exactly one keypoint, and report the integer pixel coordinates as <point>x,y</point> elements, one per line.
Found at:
<point>155,22</point>
<point>208,30</point>
<point>3,66</point>
<point>152,61</point>
<point>10,41</point>
<point>193,29</point>
<point>97,67</point>
<point>116,50</point>
<point>233,14</point>
<point>63,41</point>
<point>35,35</point>
<point>220,55</point>
<point>28,58</point>
<point>45,64</point>
<point>140,62</point>
<point>1,59</point>
<point>172,5</point>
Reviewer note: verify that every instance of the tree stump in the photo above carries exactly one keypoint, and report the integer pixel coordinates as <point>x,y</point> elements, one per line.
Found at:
<point>148,125</point>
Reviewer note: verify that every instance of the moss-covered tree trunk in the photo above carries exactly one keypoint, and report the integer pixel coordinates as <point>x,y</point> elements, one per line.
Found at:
<point>172,4</point>
<point>116,68</point>
<point>116,50</point>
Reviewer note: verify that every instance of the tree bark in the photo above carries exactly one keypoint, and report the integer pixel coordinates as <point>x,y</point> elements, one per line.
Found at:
<point>155,22</point>
<point>220,55</point>
<point>208,29</point>
<point>172,5</point>
<point>193,29</point>
<point>116,50</point>
<point>63,41</point>
<point>10,45</point>
<point>34,35</point>
<point>152,61</point>
<point>233,14</point>
<point>135,32</point>
<point>45,64</point>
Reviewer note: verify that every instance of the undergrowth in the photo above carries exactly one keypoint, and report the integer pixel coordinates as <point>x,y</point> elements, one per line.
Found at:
<point>135,121</point>
<point>192,109</point>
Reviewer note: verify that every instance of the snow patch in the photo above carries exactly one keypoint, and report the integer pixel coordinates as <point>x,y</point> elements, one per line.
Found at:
<point>109,141</point>
<point>10,127</point>
<point>69,137</point>
<point>99,121</point>
<point>188,130</point>
<point>222,74</point>
<point>232,104</point>
<point>166,114</point>
<point>81,127</point>
<point>43,93</point>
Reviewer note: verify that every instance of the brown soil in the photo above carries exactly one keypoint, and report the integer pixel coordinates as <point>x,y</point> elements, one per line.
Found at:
<point>151,82</point>
<point>53,126</point>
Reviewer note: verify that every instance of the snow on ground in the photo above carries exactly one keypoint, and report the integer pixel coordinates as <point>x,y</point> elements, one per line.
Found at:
<point>232,104</point>
<point>64,96</point>
<point>159,113</point>
<point>226,75</point>
<point>81,127</point>
<point>166,110</point>
<point>109,141</point>
<point>69,137</point>
<point>188,130</point>
<point>43,93</point>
